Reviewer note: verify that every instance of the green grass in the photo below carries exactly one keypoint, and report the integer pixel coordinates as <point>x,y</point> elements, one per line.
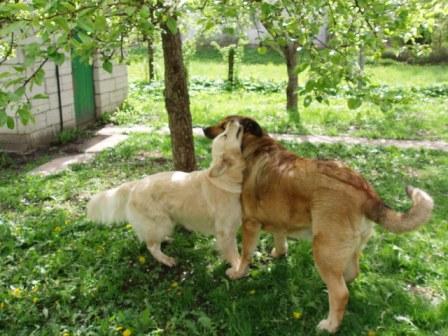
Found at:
<point>61,273</point>
<point>422,115</point>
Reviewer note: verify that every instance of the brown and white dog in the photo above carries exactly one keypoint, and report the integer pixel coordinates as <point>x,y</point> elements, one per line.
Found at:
<point>291,196</point>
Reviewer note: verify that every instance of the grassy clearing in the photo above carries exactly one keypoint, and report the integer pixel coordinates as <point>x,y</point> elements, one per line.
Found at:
<point>424,115</point>
<point>61,273</point>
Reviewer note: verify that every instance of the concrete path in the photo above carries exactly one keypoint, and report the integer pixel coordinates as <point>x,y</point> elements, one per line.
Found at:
<point>87,151</point>
<point>318,139</point>
<point>111,136</point>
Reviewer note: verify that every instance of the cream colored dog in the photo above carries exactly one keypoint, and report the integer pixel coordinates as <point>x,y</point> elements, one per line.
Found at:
<point>206,201</point>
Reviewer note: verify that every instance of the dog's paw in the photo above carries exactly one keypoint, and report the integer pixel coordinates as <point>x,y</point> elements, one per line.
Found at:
<point>328,326</point>
<point>169,261</point>
<point>234,273</point>
<point>277,254</point>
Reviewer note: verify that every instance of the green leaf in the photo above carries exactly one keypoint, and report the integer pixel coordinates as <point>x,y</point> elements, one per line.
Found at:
<point>39,77</point>
<point>86,24</point>
<point>301,67</point>
<point>307,101</point>
<point>62,22</point>
<point>56,57</point>
<point>310,85</point>
<point>209,25</point>
<point>171,24</point>
<point>100,23</point>
<point>354,103</point>
<point>10,122</point>
<point>19,92</point>
<point>24,114</point>
<point>107,65</point>
<point>84,37</point>
<point>40,96</point>
<point>13,27</point>
<point>144,12</point>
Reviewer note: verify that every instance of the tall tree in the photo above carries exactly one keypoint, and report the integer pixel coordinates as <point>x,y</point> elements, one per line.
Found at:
<point>352,27</point>
<point>177,99</point>
<point>227,23</point>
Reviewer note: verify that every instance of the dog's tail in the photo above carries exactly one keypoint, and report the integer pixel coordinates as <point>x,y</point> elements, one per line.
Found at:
<point>398,222</point>
<point>109,207</point>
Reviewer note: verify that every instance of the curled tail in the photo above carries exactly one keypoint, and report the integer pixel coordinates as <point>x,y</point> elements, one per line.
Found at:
<point>109,207</point>
<point>398,222</point>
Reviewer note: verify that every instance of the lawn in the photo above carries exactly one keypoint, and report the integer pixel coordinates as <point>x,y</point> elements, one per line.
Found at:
<point>421,92</point>
<point>63,275</point>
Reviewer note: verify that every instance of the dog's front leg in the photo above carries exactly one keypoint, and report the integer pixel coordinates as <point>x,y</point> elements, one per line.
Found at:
<point>227,246</point>
<point>251,232</point>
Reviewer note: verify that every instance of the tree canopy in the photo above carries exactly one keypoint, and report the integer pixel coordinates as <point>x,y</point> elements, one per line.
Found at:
<point>55,29</point>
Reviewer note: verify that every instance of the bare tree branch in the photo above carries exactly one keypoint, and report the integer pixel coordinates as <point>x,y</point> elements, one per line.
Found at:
<point>35,72</point>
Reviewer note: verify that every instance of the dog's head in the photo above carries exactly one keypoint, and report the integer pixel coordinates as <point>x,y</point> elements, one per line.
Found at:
<point>250,127</point>
<point>226,149</point>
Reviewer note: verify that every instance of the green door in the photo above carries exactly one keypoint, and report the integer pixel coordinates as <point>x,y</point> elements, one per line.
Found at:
<point>83,91</point>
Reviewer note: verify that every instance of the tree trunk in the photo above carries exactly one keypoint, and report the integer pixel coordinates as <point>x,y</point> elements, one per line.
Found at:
<point>231,61</point>
<point>150,47</point>
<point>177,102</point>
<point>290,54</point>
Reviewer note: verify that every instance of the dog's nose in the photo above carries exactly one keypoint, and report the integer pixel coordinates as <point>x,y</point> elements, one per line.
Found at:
<point>207,133</point>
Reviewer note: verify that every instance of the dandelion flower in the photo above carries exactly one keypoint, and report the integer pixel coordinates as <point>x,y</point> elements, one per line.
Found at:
<point>297,315</point>
<point>371,333</point>
<point>16,292</point>
<point>174,284</point>
<point>127,332</point>
<point>252,292</point>
<point>141,259</point>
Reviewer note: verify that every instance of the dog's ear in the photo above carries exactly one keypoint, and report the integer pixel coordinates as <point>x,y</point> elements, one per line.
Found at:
<point>252,127</point>
<point>220,167</point>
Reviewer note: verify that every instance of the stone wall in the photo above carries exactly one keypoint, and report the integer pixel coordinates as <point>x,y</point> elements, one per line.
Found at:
<point>110,88</point>
<point>45,111</point>
<point>110,91</point>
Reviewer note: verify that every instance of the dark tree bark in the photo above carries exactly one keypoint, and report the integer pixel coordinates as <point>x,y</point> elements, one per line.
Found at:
<point>177,102</point>
<point>290,54</point>
<point>150,48</point>
<point>231,64</point>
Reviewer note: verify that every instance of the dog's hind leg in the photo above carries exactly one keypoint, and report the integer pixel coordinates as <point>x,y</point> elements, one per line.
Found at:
<point>154,249</point>
<point>280,245</point>
<point>332,257</point>
<point>352,269</point>
<point>152,227</point>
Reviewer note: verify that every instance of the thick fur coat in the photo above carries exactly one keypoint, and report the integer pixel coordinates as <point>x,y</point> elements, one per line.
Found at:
<point>206,201</point>
<point>292,196</point>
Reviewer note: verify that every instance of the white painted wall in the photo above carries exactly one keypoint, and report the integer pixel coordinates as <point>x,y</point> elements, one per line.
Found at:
<point>110,91</point>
